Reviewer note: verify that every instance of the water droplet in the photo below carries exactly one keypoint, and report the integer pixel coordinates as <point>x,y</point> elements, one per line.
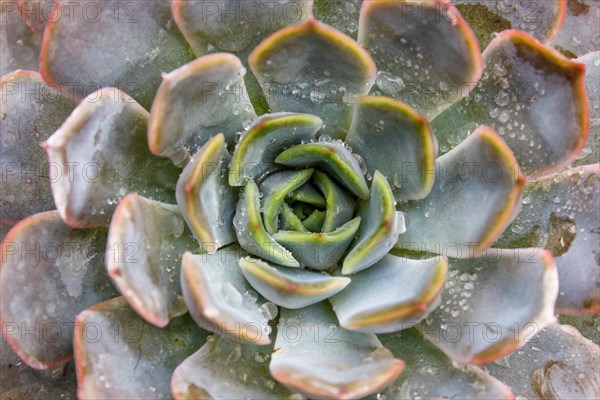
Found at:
<point>268,310</point>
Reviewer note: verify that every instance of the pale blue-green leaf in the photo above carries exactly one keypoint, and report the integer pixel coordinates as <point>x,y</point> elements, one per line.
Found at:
<point>102,154</point>
<point>395,294</point>
<point>556,363</point>
<point>30,112</point>
<point>290,287</point>
<point>50,272</point>
<point>380,229</point>
<point>481,174</point>
<point>204,196</point>
<point>120,356</point>
<point>220,299</point>
<point>490,304</point>
<point>320,251</point>
<point>321,360</point>
<point>143,257</point>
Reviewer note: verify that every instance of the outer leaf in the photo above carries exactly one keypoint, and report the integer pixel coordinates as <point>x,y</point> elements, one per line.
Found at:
<point>235,25</point>
<point>50,272</point>
<point>197,101</point>
<point>315,69</point>
<point>19,47</point>
<point>290,288</point>
<point>532,96</point>
<point>226,370</point>
<point>254,155</point>
<point>332,157</point>
<point>36,13</point>
<point>350,364</point>
<point>490,302</point>
<point>384,131</point>
<point>541,19</point>
<point>560,213</point>
<point>591,152</point>
<point>341,14</point>
<point>149,43</point>
<point>216,295</point>
<point>480,174</point>
<point>205,198</point>
<point>580,32</point>
<point>433,376</point>
<point>393,295</point>
<point>143,257</point>
<point>274,189</point>
<point>424,50</point>
<point>119,355</point>
<point>557,363</point>
<point>251,233</point>
<point>380,230</point>
<point>102,148</point>
<point>31,112</point>
<point>320,251</point>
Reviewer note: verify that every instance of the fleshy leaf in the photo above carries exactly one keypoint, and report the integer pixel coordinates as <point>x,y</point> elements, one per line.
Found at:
<point>580,32</point>
<point>532,96</point>
<point>316,357</point>
<point>50,272</point>
<point>339,204</point>
<point>557,363</point>
<point>560,213</point>
<point>205,198</point>
<point>490,303</point>
<point>235,26</point>
<point>274,190</point>
<point>381,227</point>
<point>102,146</point>
<point>315,69</point>
<point>384,131</point>
<point>541,19</point>
<point>332,157</point>
<point>290,287</point>
<point>197,101</point>
<point>251,232</point>
<point>341,14</point>
<point>433,376</point>
<point>289,220</point>
<point>254,155</point>
<point>225,370</point>
<point>31,112</point>
<point>36,13</point>
<point>19,46</point>
<point>319,251</point>
<point>309,194</point>
<point>143,257</point>
<point>591,152</point>
<point>148,44</point>
<point>480,174</point>
<point>395,294</point>
<point>119,355</point>
<point>314,222</point>
<point>217,297</point>
<point>425,52</point>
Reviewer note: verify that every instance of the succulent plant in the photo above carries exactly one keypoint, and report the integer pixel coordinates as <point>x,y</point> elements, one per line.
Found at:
<point>247,199</point>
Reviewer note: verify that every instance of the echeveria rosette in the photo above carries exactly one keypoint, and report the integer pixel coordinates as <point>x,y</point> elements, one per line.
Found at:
<point>321,229</point>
